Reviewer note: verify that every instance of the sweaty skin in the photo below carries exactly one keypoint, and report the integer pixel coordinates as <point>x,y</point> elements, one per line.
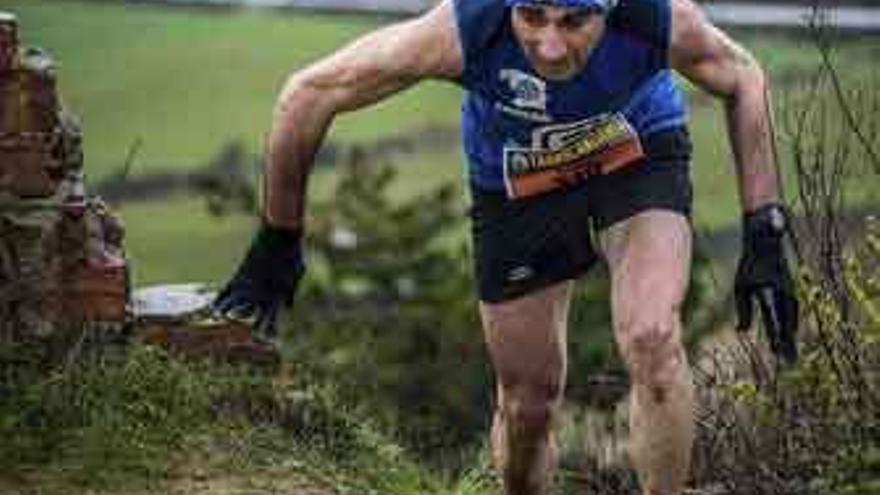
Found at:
<point>557,40</point>
<point>526,336</point>
<point>649,256</point>
<point>371,68</point>
<point>707,57</point>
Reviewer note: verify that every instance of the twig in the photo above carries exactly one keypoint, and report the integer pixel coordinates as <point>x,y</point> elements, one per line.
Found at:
<point>129,158</point>
<point>852,123</point>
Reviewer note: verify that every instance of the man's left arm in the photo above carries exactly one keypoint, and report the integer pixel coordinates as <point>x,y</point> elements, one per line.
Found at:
<point>712,61</point>
<point>707,57</point>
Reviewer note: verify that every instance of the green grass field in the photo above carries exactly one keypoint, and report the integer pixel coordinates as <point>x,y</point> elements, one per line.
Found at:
<point>183,82</point>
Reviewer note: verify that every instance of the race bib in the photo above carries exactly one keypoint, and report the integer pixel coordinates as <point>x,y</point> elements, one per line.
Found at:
<point>566,154</point>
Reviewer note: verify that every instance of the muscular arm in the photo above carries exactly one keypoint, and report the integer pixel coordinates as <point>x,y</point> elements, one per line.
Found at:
<point>375,66</point>
<point>715,63</point>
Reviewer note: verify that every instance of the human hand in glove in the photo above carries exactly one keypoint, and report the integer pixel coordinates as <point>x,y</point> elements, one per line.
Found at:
<point>265,279</point>
<point>763,277</point>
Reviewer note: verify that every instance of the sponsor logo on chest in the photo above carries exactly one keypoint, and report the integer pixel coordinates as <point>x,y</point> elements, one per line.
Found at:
<point>564,154</point>
<point>529,96</point>
<point>559,154</point>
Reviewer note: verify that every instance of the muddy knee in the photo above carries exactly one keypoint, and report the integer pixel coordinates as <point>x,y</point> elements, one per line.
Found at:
<point>530,411</point>
<point>654,356</point>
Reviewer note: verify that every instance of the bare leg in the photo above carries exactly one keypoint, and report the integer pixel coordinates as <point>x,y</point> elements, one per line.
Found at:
<point>526,340</point>
<point>649,257</point>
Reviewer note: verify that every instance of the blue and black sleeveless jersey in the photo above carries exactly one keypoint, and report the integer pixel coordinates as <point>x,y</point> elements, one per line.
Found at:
<point>508,105</point>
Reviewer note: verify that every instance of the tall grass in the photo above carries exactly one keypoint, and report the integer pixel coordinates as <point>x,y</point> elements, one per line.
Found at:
<point>100,423</point>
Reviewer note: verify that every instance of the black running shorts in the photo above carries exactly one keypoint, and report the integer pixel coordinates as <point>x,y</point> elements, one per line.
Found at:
<point>526,244</point>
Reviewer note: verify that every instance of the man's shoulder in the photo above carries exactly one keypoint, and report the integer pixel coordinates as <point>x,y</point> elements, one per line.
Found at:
<point>479,7</point>
<point>479,22</point>
<point>649,20</point>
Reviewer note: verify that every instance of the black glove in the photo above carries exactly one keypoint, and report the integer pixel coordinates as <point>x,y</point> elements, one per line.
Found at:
<point>266,278</point>
<point>763,276</point>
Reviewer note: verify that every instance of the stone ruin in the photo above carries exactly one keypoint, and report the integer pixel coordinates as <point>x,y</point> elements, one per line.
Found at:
<point>61,250</point>
<point>64,276</point>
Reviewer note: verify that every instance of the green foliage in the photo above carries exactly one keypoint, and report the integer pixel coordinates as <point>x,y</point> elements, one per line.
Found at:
<point>390,313</point>
<point>96,419</point>
<point>863,281</point>
<point>102,420</point>
<point>813,427</point>
<point>839,377</point>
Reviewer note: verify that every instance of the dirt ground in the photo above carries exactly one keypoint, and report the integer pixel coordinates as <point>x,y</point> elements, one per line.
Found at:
<point>186,479</point>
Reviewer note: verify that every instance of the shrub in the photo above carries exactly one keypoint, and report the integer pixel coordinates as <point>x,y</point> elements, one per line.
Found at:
<point>99,421</point>
<point>811,428</point>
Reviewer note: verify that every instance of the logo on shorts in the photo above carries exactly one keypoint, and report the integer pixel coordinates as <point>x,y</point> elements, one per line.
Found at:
<point>520,273</point>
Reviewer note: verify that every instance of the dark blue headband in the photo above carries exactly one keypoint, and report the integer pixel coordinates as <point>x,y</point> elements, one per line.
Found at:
<point>605,5</point>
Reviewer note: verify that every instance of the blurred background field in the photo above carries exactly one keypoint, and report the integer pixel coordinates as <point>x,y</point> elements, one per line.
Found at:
<point>383,360</point>
<point>176,85</point>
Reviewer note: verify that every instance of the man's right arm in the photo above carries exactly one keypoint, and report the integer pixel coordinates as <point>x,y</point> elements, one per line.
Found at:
<point>373,67</point>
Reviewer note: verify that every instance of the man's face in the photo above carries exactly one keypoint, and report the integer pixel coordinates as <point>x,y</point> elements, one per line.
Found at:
<point>557,40</point>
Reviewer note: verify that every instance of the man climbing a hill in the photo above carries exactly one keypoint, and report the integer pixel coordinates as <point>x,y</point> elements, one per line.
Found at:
<point>574,131</point>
